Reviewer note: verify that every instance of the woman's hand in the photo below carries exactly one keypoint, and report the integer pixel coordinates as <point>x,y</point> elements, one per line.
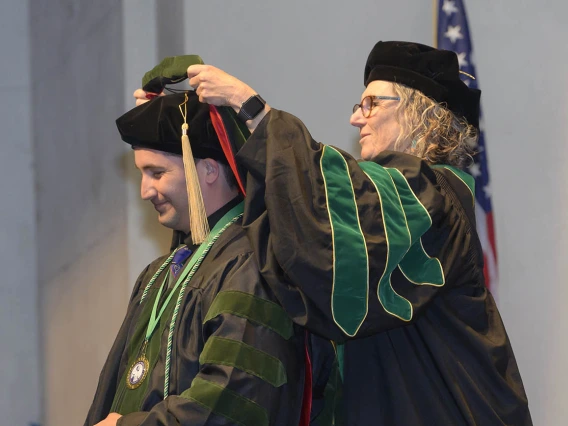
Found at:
<point>216,87</point>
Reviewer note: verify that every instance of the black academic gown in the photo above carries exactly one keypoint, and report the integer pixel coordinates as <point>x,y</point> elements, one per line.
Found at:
<point>237,359</point>
<point>382,256</point>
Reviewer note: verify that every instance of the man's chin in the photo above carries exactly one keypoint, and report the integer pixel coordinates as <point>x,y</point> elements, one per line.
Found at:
<point>172,223</point>
<point>166,221</point>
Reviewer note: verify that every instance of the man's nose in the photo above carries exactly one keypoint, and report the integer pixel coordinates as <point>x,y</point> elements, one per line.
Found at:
<point>147,189</point>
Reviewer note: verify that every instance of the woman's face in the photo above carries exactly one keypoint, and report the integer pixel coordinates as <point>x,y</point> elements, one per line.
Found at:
<point>379,131</point>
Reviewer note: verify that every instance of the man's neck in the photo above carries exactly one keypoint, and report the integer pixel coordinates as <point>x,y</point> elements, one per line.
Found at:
<point>181,237</point>
<point>214,217</point>
<point>218,197</point>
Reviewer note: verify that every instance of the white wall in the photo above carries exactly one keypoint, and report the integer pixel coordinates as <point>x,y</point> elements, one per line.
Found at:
<point>522,59</point>
<point>305,56</point>
<point>20,397</point>
<point>77,81</point>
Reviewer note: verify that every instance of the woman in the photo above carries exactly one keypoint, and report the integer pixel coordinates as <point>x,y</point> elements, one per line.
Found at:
<point>383,254</point>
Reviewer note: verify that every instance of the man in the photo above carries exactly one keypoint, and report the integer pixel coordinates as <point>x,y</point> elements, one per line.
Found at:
<point>383,254</point>
<point>204,340</point>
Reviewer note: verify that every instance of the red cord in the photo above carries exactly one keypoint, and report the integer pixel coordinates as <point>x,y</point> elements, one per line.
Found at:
<point>219,126</point>
<point>307,399</point>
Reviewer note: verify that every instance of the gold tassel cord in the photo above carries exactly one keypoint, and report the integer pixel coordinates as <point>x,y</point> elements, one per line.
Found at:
<point>469,75</point>
<point>197,214</point>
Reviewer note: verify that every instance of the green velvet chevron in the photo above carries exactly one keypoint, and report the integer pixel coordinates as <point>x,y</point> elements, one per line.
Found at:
<point>226,403</point>
<point>257,310</point>
<point>349,299</point>
<point>405,220</point>
<point>233,353</point>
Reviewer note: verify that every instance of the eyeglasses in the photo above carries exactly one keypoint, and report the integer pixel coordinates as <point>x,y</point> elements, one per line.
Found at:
<point>369,102</point>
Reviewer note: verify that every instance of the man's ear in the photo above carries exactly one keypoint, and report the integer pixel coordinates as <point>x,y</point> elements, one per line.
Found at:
<point>211,170</point>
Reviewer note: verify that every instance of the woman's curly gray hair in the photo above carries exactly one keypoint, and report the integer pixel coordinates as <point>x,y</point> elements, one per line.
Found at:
<point>431,131</point>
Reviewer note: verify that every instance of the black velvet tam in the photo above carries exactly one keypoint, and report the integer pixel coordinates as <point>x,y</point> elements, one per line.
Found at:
<point>434,72</point>
<point>156,124</point>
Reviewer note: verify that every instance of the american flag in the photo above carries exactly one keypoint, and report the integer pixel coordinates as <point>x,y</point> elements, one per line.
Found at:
<point>453,34</point>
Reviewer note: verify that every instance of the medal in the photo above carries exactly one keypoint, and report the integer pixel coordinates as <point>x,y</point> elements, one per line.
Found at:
<point>139,369</point>
<point>137,373</point>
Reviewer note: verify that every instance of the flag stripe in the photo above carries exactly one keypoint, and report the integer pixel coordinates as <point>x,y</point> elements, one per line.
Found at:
<point>452,33</point>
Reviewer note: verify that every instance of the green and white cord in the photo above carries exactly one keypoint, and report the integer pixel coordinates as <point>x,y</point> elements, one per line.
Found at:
<point>158,272</point>
<point>180,297</point>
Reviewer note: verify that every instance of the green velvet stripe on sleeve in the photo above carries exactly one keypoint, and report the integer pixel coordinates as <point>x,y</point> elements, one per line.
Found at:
<point>417,266</point>
<point>397,236</point>
<point>421,269</point>
<point>224,402</point>
<point>405,220</point>
<point>257,310</point>
<point>349,299</point>
<point>222,351</point>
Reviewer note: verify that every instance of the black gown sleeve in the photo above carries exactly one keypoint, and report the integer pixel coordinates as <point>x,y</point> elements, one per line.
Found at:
<point>351,248</point>
<point>251,366</point>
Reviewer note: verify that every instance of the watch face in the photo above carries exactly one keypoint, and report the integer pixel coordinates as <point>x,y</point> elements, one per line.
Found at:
<point>252,107</point>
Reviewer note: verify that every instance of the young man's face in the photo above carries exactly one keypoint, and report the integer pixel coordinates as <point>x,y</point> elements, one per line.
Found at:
<point>163,183</point>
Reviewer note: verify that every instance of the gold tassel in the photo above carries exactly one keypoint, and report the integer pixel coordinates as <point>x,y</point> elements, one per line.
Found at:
<point>197,214</point>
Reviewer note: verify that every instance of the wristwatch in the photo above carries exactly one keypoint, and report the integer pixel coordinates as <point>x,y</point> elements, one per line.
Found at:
<point>251,108</point>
